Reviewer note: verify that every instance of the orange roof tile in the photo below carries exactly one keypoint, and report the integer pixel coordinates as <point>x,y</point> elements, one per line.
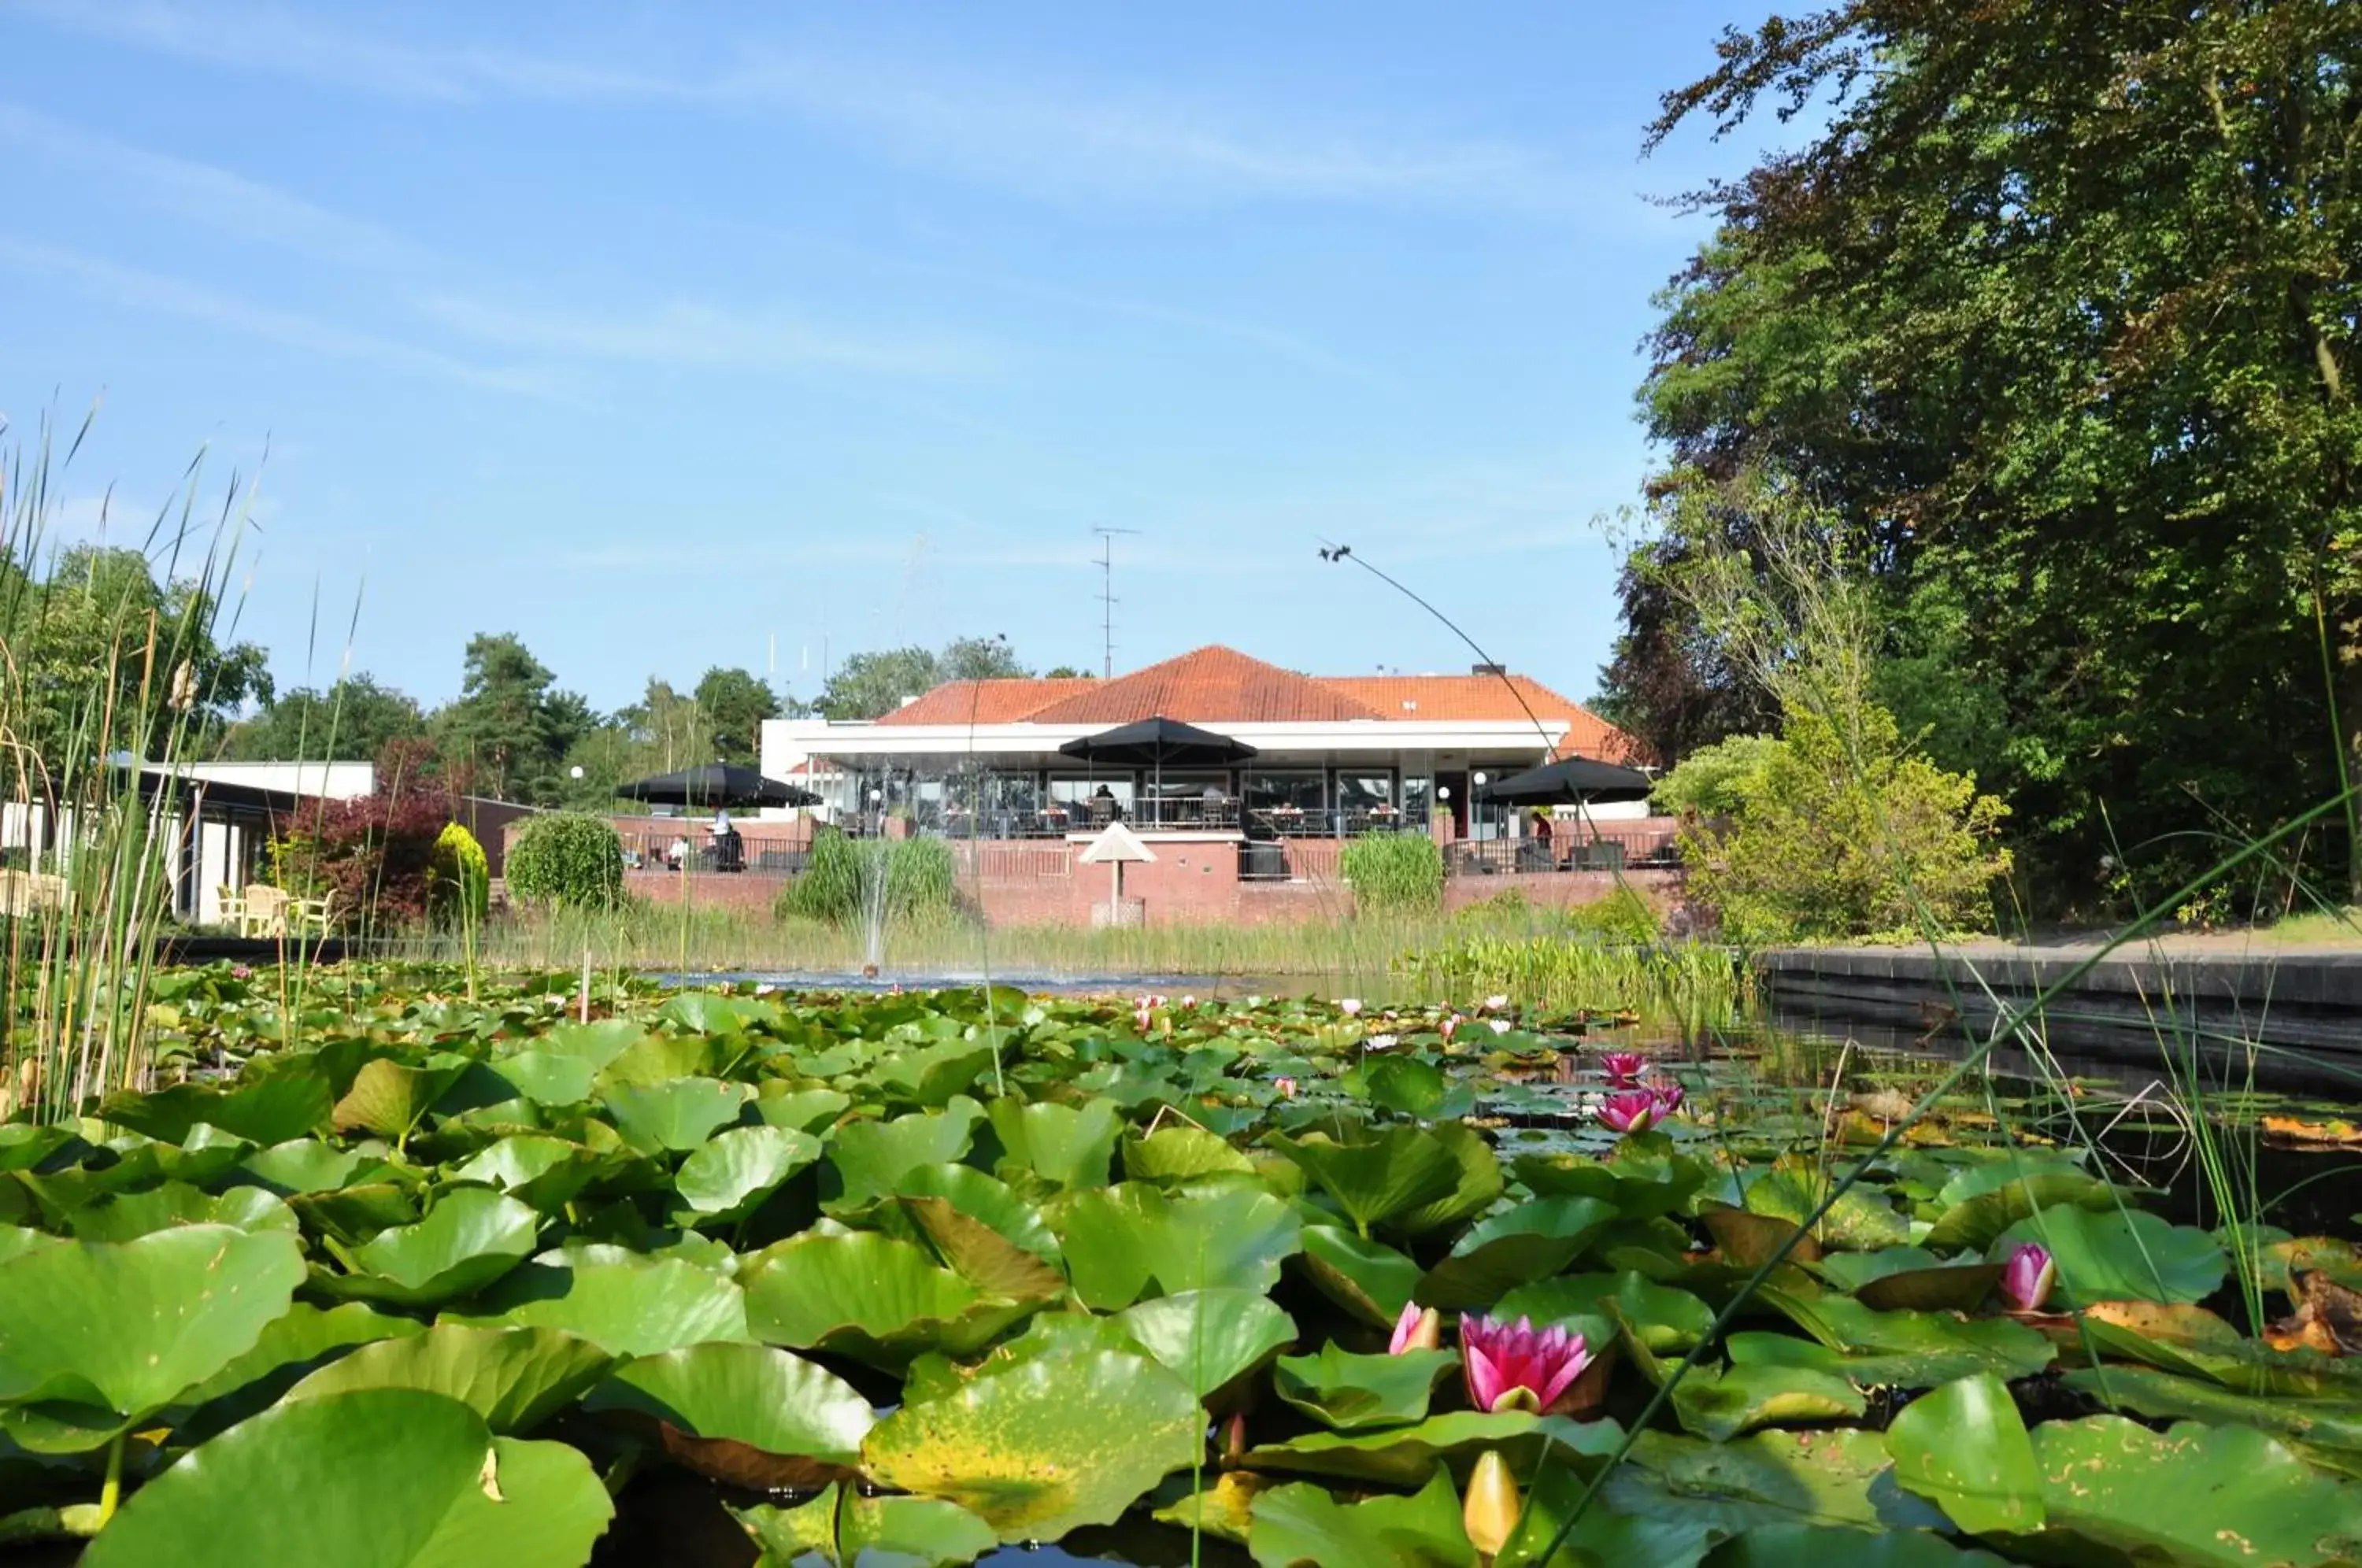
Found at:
<point>1482,698</point>
<point>1219,685</point>
<point>985,701</point>
<point>1211,685</point>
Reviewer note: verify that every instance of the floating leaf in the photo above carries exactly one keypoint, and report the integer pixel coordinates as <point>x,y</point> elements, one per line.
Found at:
<point>96,1335</point>
<point>870,1297</point>
<point>545,1172</point>
<point>266,1111</point>
<point>2195,1495</point>
<point>1376,1174</point>
<point>681,1113</point>
<point>1979,1203</point>
<point>1529,1242</point>
<point>389,1097</point>
<point>515,1378</point>
<point>1964,1446</point>
<point>853,1530</point>
<point>122,1216</point>
<point>1367,1278</point>
<point>378,1478</point>
<point>1297,1524</point>
<point>2115,1254</point>
<point>1127,1240</point>
<point>871,1158</point>
<point>1066,1146</point>
<point>467,1240</point>
<point>1407,1456</point>
<point>744,1413</point>
<point>1739,1398</point>
<point>1352,1392</point>
<point>1664,1318</point>
<point>1182,1154</point>
<point>2328,1423</point>
<point>1818,1546</point>
<point>1046,1445</point>
<point>1208,1337</point>
<point>1775,1477</point>
<point>639,1309</point>
<point>730,1174</point>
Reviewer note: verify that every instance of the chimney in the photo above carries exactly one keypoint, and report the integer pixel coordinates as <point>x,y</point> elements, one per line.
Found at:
<point>1488,669</point>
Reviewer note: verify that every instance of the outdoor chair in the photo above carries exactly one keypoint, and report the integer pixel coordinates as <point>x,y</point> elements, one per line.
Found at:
<point>229,905</point>
<point>263,911</point>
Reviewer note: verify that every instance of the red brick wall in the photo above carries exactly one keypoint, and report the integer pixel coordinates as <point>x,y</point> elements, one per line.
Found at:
<point>1562,890</point>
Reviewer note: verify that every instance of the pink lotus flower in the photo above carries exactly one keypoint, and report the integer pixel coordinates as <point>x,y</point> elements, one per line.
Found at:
<point>1351,1007</point>
<point>1449,1027</point>
<point>1495,1003</point>
<point>1629,1111</point>
<point>1188,1001</point>
<point>1286,1087</point>
<point>240,972</point>
<point>1418,1327</point>
<point>1143,1016</point>
<point>1668,1096</point>
<point>1623,1068</point>
<point>2026,1278</point>
<point>1518,1367</point>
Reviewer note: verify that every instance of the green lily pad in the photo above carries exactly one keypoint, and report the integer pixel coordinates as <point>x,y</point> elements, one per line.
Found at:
<point>1860,1220</point>
<point>748,1414</point>
<point>1408,1456</point>
<point>1046,1445</point>
<point>1529,1242</point>
<point>1964,1447</point>
<point>985,1200</point>
<point>1747,1395</point>
<point>812,1111</point>
<point>680,1113</point>
<point>122,1216</point>
<point>2328,1423</point>
<point>389,1099</point>
<point>1369,1279</point>
<point>266,1111</point>
<point>95,1336</point>
<point>1298,1523</point>
<point>515,1378</point>
<point>1643,1178</point>
<point>1208,1337</point>
<point>1840,1477</point>
<point>548,1077</point>
<point>730,1176</point>
<point>305,1164</point>
<point>871,1158</point>
<point>1600,1535</point>
<point>536,1169</point>
<point>467,1240</point>
<point>1980,1203</point>
<point>1066,1146</point>
<point>1126,1240</point>
<point>1818,1546</point>
<point>2121,1254</point>
<point>2194,1495</point>
<point>1354,1393</point>
<point>1913,1349</point>
<point>1377,1173</point>
<point>636,1309</point>
<point>870,1297</point>
<point>1182,1154</point>
<point>378,1478</point>
<point>1664,1318</point>
<point>851,1531</point>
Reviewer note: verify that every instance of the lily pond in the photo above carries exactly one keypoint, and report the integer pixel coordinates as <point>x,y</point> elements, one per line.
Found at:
<point>399,1267</point>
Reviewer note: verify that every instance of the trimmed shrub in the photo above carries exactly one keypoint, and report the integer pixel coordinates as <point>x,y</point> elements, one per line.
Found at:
<point>373,855</point>
<point>917,874</point>
<point>1710,780</point>
<point>462,888</point>
<point>567,857</point>
<point>1391,872</point>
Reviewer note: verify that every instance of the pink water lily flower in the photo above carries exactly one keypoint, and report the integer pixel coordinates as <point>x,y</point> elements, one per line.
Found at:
<point>1418,1327</point>
<point>1668,1096</point>
<point>1500,1025</point>
<point>1286,1087</point>
<point>1143,1016</point>
<point>1629,1111</point>
<point>1449,1027</point>
<point>1351,1007</point>
<point>1188,1001</point>
<point>1515,1366</point>
<point>2026,1278</point>
<point>1496,1003</point>
<point>1623,1068</point>
<point>1378,1041</point>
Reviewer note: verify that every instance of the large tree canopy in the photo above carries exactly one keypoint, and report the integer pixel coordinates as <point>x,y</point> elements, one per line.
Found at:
<point>870,685</point>
<point>2057,317</point>
<point>357,717</point>
<point>510,728</point>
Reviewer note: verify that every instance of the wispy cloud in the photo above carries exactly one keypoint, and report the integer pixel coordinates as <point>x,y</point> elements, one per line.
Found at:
<point>202,193</point>
<point>700,337</point>
<point>134,288</point>
<point>1054,137</point>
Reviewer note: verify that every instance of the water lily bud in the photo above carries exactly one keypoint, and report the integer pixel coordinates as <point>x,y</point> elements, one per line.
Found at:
<point>1491,1511</point>
<point>2026,1278</point>
<point>1418,1327</point>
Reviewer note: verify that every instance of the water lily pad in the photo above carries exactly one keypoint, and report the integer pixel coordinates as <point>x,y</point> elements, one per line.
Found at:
<point>1749,1241</point>
<point>1130,1240</point>
<point>471,1238</point>
<point>730,1176</point>
<point>268,1110</point>
<point>1377,1173</point>
<point>1980,1203</point>
<point>1644,1177</point>
<point>1725,1402</point>
<point>849,1529</point>
<point>870,1296</point>
<point>1529,1242</point>
<point>1369,1279</point>
<point>121,1215</point>
<point>1046,1445</point>
<point>1818,1546</point>
<point>1208,1337</point>
<point>637,1308</point>
<point>306,1164</point>
<point>812,1111</point>
<point>389,1097</point>
<point>680,1113</point>
<point>1354,1393</point>
<point>1408,1456</point>
<point>744,1413</point>
<point>2194,1495</point>
<point>96,1335</point>
<point>1840,1477</point>
<point>870,1158</point>
<point>1664,1318</point>
<point>1860,1220</point>
<point>548,1077</point>
<point>2328,1423</point>
<point>1965,1447</point>
<point>2116,1254</point>
<point>1223,1510</point>
<point>1299,1524</point>
<point>1182,1154</point>
<point>536,1169</point>
<point>378,1478</point>
<point>1600,1535</point>
<point>515,1378</point>
<point>1065,1146</point>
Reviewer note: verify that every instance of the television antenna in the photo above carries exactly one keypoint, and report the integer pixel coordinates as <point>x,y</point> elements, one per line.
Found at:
<point>1107,597</point>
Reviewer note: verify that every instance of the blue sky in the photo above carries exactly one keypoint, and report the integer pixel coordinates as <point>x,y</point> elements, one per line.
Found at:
<point>664,332</point>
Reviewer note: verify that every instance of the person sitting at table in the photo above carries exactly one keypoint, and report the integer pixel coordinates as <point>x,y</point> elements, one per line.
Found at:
<point>677,851</point>
<point>729,850</point>
<point>1104,808</point>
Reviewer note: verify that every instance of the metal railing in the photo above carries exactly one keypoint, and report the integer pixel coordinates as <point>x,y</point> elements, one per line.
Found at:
<point>1601,849</point>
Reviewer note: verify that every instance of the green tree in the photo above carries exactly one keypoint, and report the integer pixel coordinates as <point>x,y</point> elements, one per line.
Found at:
<point>871,685</point>
<point>734,704</point>
<point>2056,317</point>
<point>1710,781</point>
<point>354,718</point>
<point>979,658</point>
<point>1066,672</point>
<point>509,726</point>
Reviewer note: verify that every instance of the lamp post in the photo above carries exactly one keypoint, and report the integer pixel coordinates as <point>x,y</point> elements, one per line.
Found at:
<point>1475,805</point>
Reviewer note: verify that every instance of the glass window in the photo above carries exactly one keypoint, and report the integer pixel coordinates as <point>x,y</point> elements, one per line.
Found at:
<point>1418,800</point>
<point>1286,800</point>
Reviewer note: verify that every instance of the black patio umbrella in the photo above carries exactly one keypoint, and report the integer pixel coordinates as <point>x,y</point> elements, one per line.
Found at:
<point>1571,781</point>
<point>1159,742</point>
<point>715,784</point>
